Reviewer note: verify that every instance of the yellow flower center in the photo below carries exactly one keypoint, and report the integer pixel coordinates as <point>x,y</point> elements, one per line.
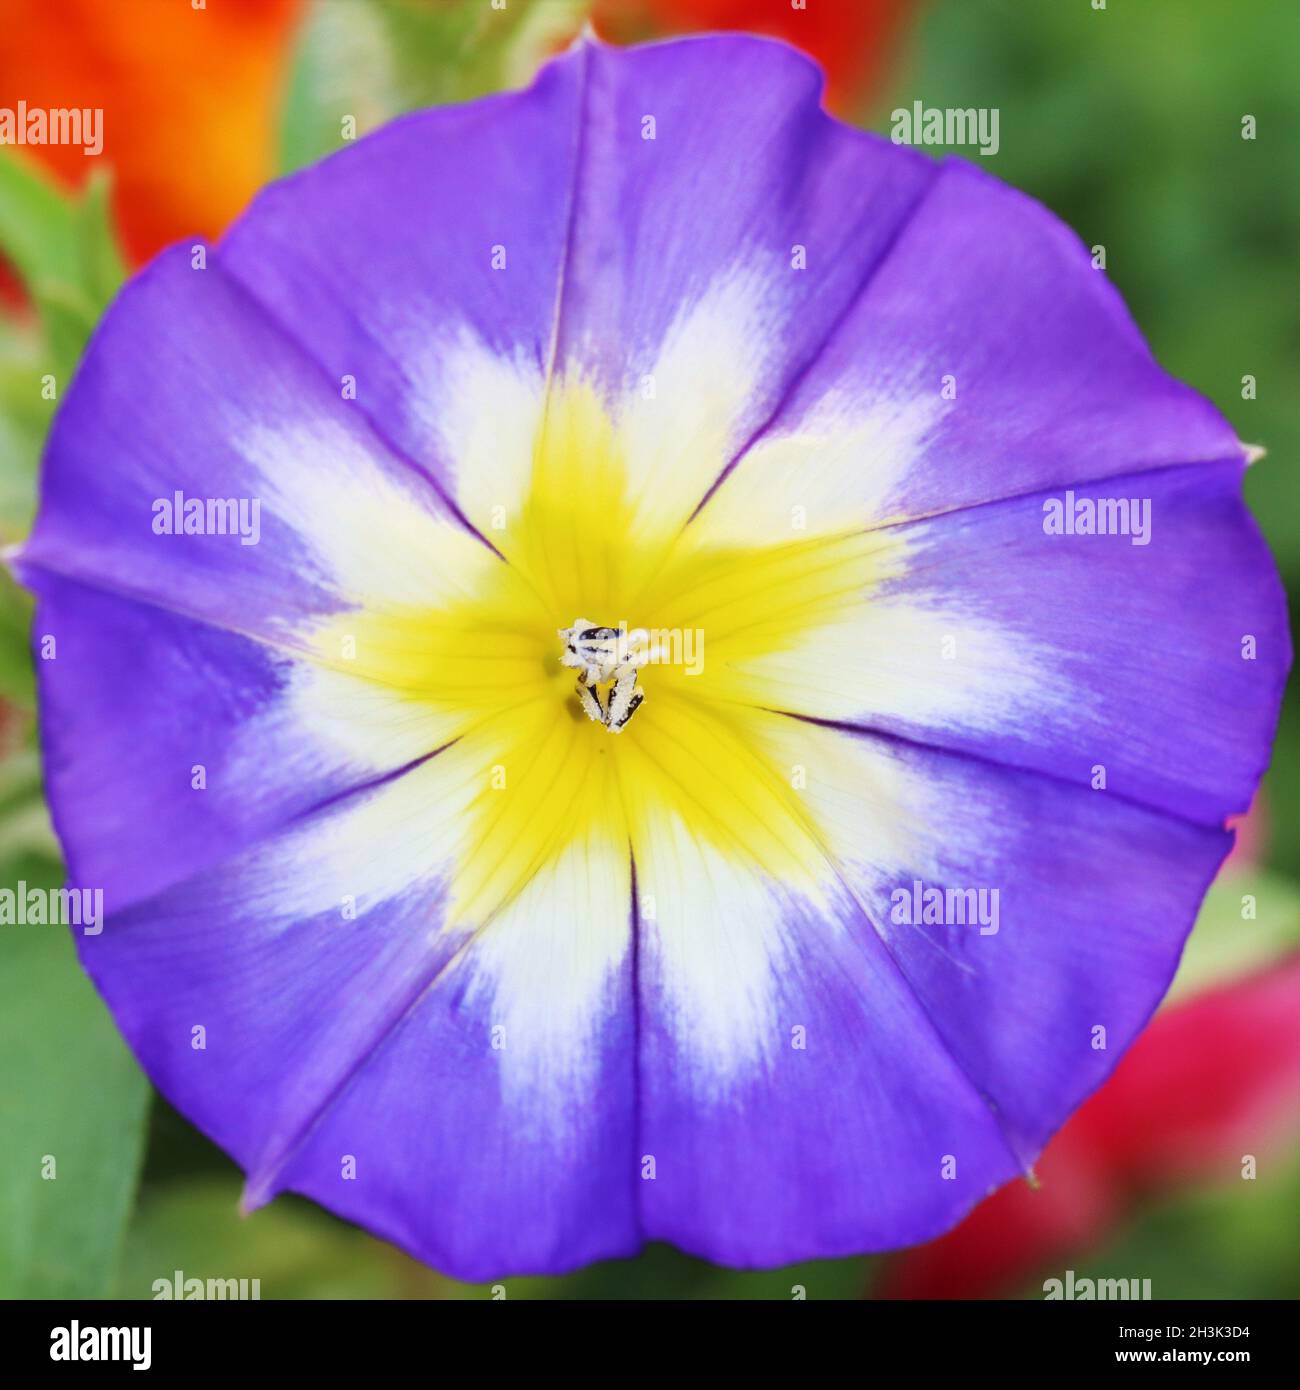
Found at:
<point>538,770</point>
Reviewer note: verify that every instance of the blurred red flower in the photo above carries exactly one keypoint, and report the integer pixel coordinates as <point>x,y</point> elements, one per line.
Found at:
<point>188,95</point>
<point>1211,1080</point>
<point>852,40</point>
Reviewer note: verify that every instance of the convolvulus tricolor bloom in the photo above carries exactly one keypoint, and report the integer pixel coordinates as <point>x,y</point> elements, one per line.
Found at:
<point>412,904</point>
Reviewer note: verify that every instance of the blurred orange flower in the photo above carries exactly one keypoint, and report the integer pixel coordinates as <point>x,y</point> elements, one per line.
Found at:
<point>189,97</point>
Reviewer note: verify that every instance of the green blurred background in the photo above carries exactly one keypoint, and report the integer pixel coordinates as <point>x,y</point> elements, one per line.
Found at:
<point>1127,121</point>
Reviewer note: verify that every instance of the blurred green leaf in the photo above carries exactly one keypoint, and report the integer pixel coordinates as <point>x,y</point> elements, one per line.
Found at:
<point>64,250</point>
<point>662,1272</point>
<point>299,1251</point>
<point>1227,945</point>
<point>294,1249</point>
<point>69,1090</point>
<point>371,60</point>
<point>1237,1241</point>
<point>17,682</point>
<point>24,421</point>
<point>24,820</point>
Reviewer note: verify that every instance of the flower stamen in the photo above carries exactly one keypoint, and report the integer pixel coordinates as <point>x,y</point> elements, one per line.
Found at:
<point>610,657</point>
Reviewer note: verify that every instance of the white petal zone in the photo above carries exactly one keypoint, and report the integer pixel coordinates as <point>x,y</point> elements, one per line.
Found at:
<point>895,658</point>
<point>728,945</point>
<point>550,971</point>
<point>722,937</point>
<point>836,473</point>
<point>419,828</point>
<point>549,958</point>
<point>378,539</point>
<point>400,837</point>
<point>873,817</point>
<point>379,543</point>
<point>715,931</point>
<point>676,415</point>
<point>340,721</point>
<point>679,411</point>
<point>483,411</point>
<point>917,658</point>
<point>675,412</point>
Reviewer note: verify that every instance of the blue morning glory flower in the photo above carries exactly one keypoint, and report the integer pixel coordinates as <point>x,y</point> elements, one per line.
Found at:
<point>636,663</point>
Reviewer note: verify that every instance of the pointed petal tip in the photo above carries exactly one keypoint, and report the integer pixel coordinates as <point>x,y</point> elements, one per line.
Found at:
<point>254,1196</point>
<point>585,36</point>
<point>13,557</point>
